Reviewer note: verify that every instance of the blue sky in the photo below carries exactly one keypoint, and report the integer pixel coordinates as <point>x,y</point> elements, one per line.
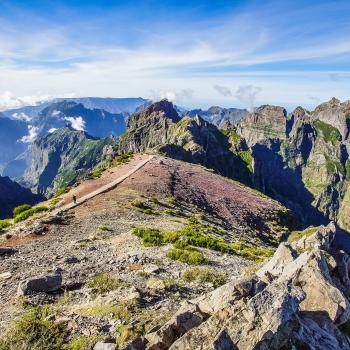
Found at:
<point>198,53</point>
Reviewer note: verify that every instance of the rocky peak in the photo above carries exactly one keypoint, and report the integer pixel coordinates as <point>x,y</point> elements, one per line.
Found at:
<point>158,110</point>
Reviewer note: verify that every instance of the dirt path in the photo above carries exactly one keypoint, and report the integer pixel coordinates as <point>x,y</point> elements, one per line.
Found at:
<point>107,182</point>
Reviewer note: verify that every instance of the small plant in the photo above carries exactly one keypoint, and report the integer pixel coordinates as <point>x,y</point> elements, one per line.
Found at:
<point>204,275</point>
<point>83,342</point>
<point>296,235</point>
<point>142,207</point>
<point>20,209</point>
<point>171,200</point>
<point>187,256</point>
<point>173,212</point>
<point>105,228</point>
<point>123,158</point>
<point>155,200</point>
<point>4,223</point>
<point>61,191</point>
<point>149,236</point>
<point>104,283</point>
<point>33,330</point>
<point>30,212</point>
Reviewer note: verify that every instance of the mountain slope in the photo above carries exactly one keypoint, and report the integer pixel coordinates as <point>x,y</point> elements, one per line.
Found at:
<point>12,195</point>
<point>59,158</point>
<point>98,238</point>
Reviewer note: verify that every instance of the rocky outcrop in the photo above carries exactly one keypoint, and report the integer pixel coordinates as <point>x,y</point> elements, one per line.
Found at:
<point>302,159</point>
<point>59,158</point>
<point>295,300</point>
<point>12,194</point>
<point>266,122</point>
<point>159,127</point>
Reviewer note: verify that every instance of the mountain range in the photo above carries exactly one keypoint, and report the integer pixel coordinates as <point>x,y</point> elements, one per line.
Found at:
<point>217,229</point>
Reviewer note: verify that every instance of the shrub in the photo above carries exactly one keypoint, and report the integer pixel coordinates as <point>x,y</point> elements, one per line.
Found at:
<point>123,158</point>
<point>198,235</point>
<point>203,275</point>
<point>20,209</point>
<point>30,212</point>
<point>149,236</point>
<point>155,200</point>
<point>105,228</point>
<point>104,283</point>
<point>329,132</point>
<point>4,224</point>
<point>61,191</point>
<point>188,256</point>
<point>83,342</point>
<point>296,235</point>
<point>173,212</point>
<point>34,331</point>
<point>171,200</point>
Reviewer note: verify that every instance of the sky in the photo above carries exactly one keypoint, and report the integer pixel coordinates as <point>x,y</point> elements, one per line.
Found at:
<point>195,53</point>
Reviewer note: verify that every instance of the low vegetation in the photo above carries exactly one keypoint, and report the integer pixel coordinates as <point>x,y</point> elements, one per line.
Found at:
<point>296,235</point>
<point>83,342</point>
<point>61,191</point>
<point>329,132</point>
<point>104,283</point>
<point>20,209</point>
<point>33,330</point>
<point>142,207</point>
<point>204,275</point>
<point>4,223</point>
<point>28,213</point>
<point>196,234</point>
<point>189,256</point>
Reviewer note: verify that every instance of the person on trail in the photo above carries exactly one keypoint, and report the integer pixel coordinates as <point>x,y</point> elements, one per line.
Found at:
<point>74,199</point>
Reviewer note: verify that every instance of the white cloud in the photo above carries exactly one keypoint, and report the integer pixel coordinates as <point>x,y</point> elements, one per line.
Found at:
<point>21,116</point>
<point>52,130</point>
<point>223,90</point>
<point>32,134</point>
<point>77,123</point>
<point>9,100</point>
<point>173,96</point>
<point>247,94</point>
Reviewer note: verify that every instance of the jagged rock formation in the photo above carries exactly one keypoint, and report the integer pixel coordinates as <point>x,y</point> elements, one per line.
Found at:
<point>190,139</point>
<point>302,160</point>
<point>59,158</point>
<point>12,195</point>
<point>298,300</point>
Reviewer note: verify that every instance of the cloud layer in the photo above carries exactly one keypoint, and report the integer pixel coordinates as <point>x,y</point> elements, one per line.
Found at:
<point>123,51</point>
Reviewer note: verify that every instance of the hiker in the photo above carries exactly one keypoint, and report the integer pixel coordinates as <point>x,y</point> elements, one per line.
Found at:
<point>74,199</point>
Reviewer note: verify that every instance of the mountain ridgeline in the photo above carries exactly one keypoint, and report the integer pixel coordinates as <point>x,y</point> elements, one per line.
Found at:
<point>300,159</point>
<point>59,158</point>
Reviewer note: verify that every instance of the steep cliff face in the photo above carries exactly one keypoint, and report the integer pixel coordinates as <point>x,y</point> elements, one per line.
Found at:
<point>190,139</point>
<point>302,159</point>
<point>12,195</point>
<point>59,158</point>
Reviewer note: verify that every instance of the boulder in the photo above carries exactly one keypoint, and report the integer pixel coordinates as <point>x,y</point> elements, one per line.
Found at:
<point>188,317</point>
<point>48,283</point>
